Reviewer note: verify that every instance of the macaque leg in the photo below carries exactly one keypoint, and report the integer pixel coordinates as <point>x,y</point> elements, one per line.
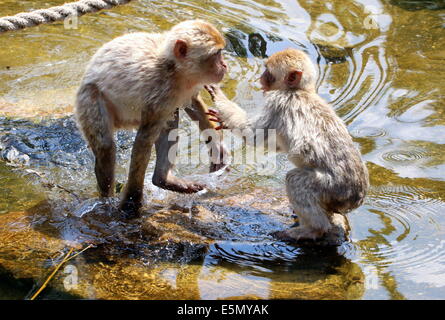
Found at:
<point>96,126</point>
<point>104,166</point>
<point>314,222</point>
<point>197,112</point>
<point>140,155</point>
<point>165,161</point>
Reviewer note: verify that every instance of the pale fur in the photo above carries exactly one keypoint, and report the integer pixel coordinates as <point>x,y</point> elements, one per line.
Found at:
<point>138,81</point>
<point>286,61</point>
<point>136,70</point>
<point>330,176</point>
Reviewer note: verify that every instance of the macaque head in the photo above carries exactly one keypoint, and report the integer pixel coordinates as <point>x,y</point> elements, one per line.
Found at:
<point>196,46</point>
<point>290,69</point>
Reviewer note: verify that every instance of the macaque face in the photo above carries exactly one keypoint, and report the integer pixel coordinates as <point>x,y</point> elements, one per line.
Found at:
<point>207,69</point>
<point>268,81</point>
<point>280,80</point>
<point>214,68</point>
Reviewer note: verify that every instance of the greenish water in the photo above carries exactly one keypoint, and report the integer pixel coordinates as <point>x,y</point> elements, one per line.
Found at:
<point>380,64</point>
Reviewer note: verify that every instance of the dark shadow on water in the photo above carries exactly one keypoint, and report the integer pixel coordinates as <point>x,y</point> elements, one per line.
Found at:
<point>12,288</point>
<point>268,257</point>
<point>414,5</point>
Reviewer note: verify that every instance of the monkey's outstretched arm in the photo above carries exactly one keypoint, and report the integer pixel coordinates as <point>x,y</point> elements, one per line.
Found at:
<point>255,132</point>
<point>198,111</point>
<point>230,113</point>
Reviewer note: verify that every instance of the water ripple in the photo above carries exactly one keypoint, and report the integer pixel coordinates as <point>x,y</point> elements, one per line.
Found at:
<point>405,155</point>
<point>412,225</point>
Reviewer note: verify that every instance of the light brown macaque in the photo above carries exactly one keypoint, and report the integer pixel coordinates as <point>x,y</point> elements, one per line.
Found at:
<point>329,178</point>
<point>139,80</point>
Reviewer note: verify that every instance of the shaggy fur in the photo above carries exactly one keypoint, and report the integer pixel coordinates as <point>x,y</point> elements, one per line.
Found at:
<point>139,81</point>
<point>330,176</point>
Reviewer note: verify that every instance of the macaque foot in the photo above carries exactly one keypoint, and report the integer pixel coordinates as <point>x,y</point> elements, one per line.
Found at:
<point>130,209</point>
<point>216,166</point>
<point>179,185</point>
<point>298,234</point>
<point>337,234</point>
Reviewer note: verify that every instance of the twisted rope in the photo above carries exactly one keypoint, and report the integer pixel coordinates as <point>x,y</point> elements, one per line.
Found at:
<point>34,18</point>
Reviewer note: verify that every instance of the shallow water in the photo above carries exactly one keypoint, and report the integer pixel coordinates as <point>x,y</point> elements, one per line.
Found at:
<point>380,64</point>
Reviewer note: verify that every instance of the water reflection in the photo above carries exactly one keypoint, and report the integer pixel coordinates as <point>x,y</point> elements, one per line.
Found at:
<point>169,254</point>
<point>278,271</point>
<point>380,63</point>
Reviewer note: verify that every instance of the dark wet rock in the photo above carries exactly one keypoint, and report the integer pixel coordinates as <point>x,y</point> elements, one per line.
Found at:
<point>414,5</point>
<point>48,143</point>
<point>244,42</point>
<point>333,54</point>
<point>235,42</point>
<point>252,43</point>
<point>257,45</point>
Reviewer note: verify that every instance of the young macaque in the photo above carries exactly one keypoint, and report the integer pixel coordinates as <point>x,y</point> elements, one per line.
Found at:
<point>330,178</point>
<point>139,80</point>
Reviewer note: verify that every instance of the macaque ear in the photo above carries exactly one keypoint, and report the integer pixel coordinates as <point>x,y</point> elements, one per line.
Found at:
<point>293,78</point>
<point>180,49</point>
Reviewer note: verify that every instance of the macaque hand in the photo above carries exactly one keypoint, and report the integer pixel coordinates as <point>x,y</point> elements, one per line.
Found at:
<point>215,92</point>
<point>216,117</point>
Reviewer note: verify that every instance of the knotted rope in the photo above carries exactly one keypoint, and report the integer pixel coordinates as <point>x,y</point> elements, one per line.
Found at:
<point>34,18</point>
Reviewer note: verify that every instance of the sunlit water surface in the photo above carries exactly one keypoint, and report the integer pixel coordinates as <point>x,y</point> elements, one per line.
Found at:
<point>380,64</point>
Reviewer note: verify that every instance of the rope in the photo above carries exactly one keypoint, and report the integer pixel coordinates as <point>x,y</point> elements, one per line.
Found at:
<point>34,18</point>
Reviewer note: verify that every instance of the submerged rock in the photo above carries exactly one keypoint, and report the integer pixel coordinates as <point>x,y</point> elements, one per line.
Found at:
<point>55,142</point>
<point>333,54</point>
<point>171,252</point>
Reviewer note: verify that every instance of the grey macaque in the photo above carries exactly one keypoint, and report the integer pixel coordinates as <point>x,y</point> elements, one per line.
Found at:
<point>329,177</point>
<point>139,80</point>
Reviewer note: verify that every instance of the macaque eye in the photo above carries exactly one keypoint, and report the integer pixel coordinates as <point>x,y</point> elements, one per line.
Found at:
<point>219,52</point>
